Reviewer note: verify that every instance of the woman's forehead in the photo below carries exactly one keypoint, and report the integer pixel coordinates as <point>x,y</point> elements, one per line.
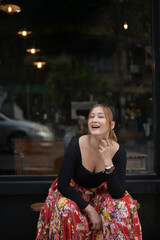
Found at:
<point>98,109</point>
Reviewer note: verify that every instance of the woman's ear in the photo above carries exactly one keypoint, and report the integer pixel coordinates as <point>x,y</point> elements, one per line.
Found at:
<point>112,124</point>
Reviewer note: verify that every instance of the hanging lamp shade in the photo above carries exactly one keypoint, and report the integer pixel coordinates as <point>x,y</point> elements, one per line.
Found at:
<point>24,33</point>
<point>39,63</point>
<point>10,8</point>
<point>32,50</point>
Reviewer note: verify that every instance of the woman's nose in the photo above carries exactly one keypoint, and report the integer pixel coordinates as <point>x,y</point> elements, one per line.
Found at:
<point>95,119</point>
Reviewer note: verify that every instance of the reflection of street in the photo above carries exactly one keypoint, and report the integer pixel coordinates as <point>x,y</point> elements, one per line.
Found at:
<point>6,163</point>
<point>34,156</point>
<point>45,158</point>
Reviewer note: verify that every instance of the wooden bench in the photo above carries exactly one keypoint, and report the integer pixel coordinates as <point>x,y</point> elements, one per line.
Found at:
<point>130,135</point>
<point>136,160</point>
<point>36,207</point>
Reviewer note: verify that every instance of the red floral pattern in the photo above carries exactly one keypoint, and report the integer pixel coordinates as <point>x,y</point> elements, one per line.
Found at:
<point>61,219</point>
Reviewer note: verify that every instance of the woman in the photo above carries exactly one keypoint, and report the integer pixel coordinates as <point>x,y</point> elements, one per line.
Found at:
<point>88,200</point>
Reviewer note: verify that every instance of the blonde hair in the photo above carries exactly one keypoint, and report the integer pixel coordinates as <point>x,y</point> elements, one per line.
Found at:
<point>109,116</point>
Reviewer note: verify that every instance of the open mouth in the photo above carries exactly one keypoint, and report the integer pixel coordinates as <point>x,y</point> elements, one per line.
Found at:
<point>95,127</point>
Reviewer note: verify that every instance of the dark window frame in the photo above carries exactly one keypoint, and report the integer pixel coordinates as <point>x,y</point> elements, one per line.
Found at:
<point>149,183</point>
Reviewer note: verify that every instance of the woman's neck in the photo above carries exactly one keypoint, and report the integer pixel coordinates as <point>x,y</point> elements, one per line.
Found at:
<point>95,140</point>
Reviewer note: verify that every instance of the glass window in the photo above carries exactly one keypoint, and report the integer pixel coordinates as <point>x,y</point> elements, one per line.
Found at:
<point>72,56</point>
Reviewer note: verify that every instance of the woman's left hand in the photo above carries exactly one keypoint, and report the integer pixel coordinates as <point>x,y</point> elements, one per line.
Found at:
<point>106,151</point>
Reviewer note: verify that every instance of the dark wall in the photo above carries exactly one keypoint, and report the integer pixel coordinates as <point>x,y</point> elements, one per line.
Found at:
<point>149,215</point>
<point>18,222</point>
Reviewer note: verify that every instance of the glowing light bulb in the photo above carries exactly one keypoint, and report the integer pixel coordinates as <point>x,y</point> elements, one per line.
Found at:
<point>33,50</point>
<point>9,9</point>
<point>125,25</point>
<point>24,33</point>
<point>39,65</point>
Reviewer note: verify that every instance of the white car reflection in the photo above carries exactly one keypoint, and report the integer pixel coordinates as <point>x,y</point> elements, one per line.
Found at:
<point>12,129</point>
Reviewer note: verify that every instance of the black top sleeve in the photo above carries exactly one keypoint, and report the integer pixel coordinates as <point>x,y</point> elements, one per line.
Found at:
<point>66,173</point>
<point>116,180</point>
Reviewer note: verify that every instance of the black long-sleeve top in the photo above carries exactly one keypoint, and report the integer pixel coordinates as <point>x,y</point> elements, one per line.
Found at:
<point>72,168</point>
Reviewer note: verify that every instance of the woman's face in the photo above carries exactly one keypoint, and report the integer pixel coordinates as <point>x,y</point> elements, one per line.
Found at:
<point>98,125</point>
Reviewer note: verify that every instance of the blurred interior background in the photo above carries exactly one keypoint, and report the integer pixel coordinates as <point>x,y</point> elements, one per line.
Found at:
<point>57,59</point>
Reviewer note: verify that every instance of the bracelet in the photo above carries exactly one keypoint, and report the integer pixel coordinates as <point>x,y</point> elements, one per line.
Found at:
<point>109,166</point>
<point>110,169</point>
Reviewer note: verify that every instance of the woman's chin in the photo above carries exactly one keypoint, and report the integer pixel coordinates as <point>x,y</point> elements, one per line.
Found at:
<point>98,135</point>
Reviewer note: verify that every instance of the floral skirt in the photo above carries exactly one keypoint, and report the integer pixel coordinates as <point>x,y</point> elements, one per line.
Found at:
<point>61,218</point>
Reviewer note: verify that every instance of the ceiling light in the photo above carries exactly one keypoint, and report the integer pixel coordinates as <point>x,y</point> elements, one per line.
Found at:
<point>24,33</point>
<point>33,50</point>
<point>10,8</point>
<point>39,63</point>
<point>125,25</point>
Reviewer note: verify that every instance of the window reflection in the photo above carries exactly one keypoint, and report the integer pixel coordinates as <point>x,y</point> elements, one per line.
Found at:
<point>89,58</point>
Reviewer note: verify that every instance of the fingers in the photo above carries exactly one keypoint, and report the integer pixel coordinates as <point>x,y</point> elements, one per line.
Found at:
<point>97,226</point>
<point>104,144</point>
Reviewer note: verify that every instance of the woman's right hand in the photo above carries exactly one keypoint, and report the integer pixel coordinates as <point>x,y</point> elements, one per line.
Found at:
<point>94,217</point>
